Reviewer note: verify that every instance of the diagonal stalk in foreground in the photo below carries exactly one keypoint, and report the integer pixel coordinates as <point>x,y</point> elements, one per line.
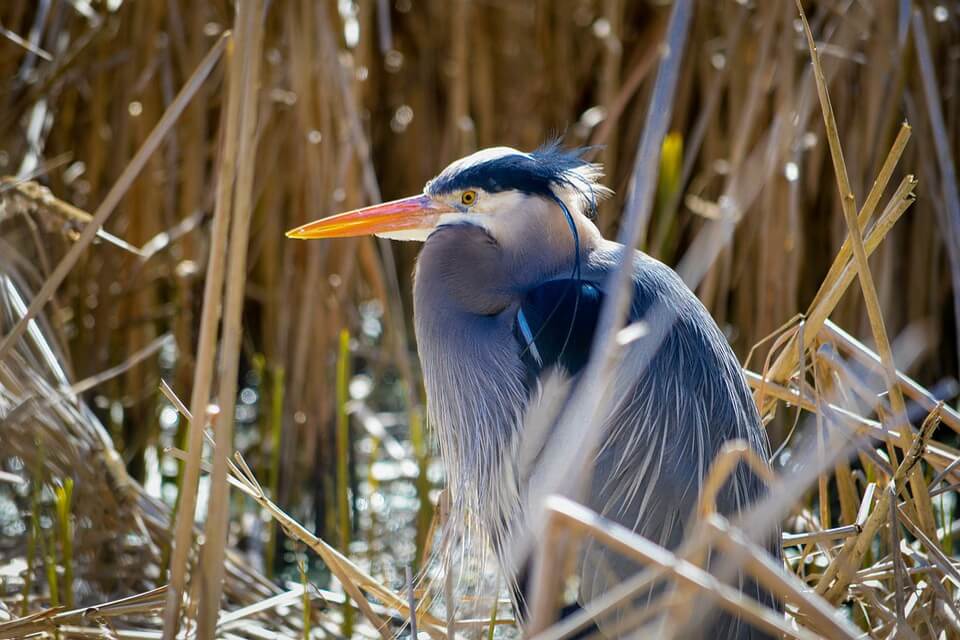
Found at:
<point>837,577</point>
<point>348,574</point>
<point>592,392</point>
<point>568,514</point>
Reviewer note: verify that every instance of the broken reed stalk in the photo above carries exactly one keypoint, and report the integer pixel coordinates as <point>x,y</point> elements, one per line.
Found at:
<point>832,291</point>
<point>770,574</point>
<point>818,315</point>
<point>870,204</point>
<point>347,573</point>
<point>840,275</point>
<point>206,348</point>
<point>724,464</point>
<point>732,454</point>
<point>242,478</point>
<point>602,606</point>
<point>113,197</point>
<point>692,550</point>
<point>581,520</point>
<point>868,288</point>
<point>48,620</point>
<point>834,581</point>
<point>856,349</point>
<point>42,198</point>
<point>250,28</point>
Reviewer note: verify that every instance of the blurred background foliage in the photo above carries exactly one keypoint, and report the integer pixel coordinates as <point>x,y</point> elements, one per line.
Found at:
<point>367,100</point>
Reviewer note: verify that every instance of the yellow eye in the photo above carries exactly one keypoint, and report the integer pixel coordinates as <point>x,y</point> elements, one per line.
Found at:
<point>468,197</point>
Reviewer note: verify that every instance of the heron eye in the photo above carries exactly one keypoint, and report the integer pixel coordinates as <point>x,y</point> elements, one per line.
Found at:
<point>468,197</point>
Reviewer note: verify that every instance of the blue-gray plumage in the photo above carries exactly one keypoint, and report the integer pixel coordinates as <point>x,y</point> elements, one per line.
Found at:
<point>508,290</point>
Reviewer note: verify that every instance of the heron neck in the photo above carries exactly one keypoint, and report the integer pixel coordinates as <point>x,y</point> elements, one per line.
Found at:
<point>463,300</point>
<point>561,249</point>
<point>546,248</point>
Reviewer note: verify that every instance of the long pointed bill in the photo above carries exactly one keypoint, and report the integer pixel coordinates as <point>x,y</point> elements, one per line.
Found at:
<point>407,219</point>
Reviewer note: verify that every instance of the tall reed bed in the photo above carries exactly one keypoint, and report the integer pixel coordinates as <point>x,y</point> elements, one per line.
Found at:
<point>154,161</point>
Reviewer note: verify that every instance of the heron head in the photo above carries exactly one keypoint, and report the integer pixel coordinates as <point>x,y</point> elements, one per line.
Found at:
<point>497,188</point>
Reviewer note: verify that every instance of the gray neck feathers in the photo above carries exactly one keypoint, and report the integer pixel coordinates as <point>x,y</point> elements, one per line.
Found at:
<point>472,373</point>
<point>467,289</point>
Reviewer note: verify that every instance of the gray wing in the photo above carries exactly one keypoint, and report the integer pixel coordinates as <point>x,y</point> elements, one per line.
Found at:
<point>681,396</point>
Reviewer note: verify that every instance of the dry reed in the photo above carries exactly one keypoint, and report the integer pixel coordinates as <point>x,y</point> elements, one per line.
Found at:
<point>193,169</point>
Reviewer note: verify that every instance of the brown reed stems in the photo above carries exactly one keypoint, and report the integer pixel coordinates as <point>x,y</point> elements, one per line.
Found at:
<point>128,150</point>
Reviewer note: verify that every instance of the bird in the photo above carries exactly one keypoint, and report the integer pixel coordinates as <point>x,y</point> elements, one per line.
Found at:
<point>508,289</point>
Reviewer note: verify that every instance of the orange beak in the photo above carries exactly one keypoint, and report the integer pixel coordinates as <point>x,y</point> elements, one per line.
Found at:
<point>390,219</point>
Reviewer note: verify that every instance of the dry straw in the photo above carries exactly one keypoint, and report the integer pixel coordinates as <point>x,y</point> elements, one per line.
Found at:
<point>192,169</point>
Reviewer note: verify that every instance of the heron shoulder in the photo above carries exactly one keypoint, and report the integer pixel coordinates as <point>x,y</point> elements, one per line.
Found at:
<point>675,326</point>
<point>556,320</point>
<point>683,343</point>
<point>660,297</point>
<point>651,278</point>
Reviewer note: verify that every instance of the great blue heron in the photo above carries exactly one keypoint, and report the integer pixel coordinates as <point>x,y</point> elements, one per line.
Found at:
<point>508,287</point>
